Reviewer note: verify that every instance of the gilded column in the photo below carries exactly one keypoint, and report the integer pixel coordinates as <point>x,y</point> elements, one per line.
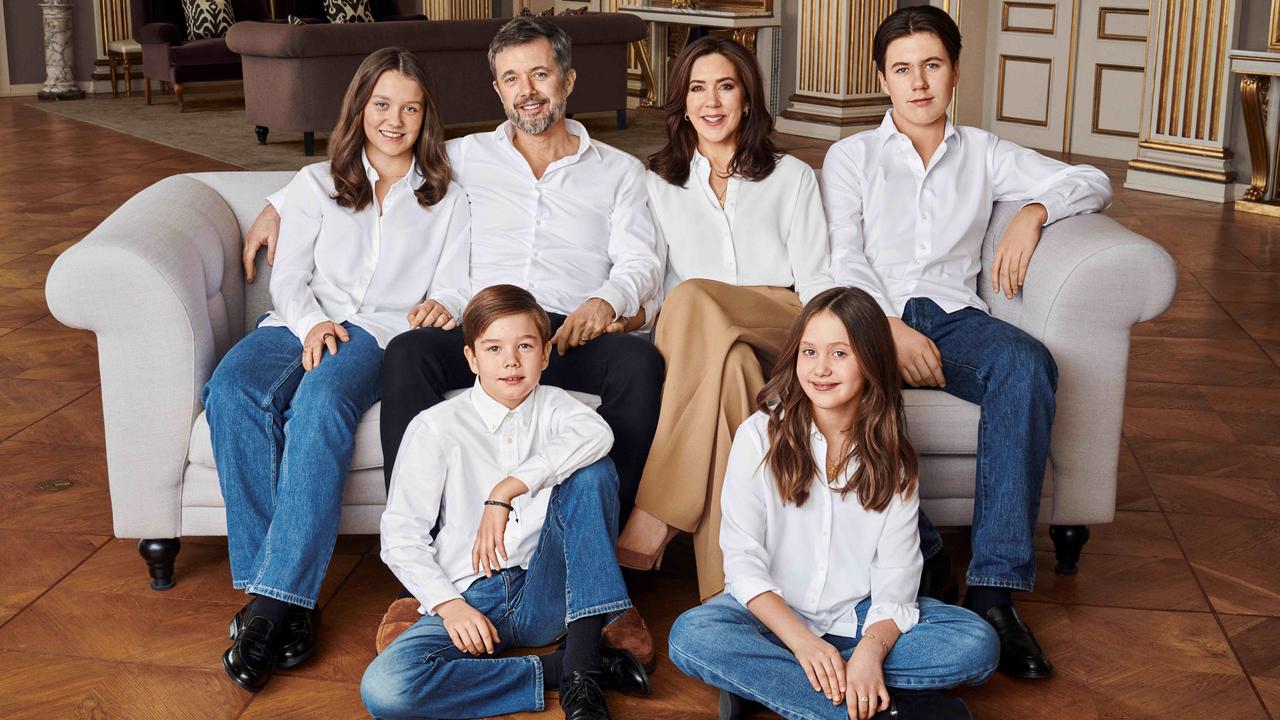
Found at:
<point>457,9</point>
<point>837,91</point>
<point>1183,147</point>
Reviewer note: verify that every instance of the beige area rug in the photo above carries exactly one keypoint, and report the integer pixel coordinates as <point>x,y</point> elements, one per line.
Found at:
<point>214,126</point>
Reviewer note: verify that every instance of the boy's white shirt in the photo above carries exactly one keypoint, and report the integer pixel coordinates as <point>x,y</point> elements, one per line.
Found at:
<point>450,458</point>
<point>823,557</point>
<point>901,230</point>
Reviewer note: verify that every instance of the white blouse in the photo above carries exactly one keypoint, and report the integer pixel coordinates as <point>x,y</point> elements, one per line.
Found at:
<point>901,230</point>
<point>450,458</point>
<point>336,264</point>
<point>823,557</point>
<point>770,232</point>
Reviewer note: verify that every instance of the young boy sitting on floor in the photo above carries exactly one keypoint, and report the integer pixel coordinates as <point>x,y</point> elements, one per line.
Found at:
<point>517,476</point>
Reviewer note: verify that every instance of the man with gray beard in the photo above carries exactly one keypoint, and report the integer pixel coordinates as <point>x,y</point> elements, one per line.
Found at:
<point>566,218</point>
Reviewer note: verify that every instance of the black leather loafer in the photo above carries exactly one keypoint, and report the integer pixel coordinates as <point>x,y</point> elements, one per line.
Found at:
<point>581,697</point>
<point>295,642</point>
<point>1020,654</point>
<point>937,580</point>
<point>622,671</point>
<point>923,705</point>
<point>251,658</point>
<point>736,707</point>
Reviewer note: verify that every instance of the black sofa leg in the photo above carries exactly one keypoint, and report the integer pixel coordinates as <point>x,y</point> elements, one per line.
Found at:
<point>308,144</point>
<point>1068,541</point>
<point>261,132</point>
<point>622,119</point>
<point>160,555</point>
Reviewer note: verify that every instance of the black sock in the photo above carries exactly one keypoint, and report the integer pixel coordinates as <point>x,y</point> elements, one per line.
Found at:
<point>582,645</point>
<point>981,599</point>
<point>270,608</point>
<point>552,668</point>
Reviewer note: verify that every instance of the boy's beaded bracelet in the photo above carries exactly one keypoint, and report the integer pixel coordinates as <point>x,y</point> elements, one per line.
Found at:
<point>499,503</point>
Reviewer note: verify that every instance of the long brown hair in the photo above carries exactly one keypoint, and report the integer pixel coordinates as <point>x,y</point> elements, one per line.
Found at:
<point>886,460</point>
<point>352,187</point>
<point>755,157</point>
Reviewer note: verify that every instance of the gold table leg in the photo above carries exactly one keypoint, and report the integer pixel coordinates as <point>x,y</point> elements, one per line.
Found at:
<point>1253,101</point>
<point>646,71</point>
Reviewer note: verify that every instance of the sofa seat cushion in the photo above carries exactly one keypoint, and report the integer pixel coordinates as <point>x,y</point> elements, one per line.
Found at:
<point>368,452</point>
<point>203,52</point>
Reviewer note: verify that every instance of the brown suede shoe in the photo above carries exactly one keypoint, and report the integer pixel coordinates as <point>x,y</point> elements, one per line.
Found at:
<point>630,633</point>
<point>400,616</point>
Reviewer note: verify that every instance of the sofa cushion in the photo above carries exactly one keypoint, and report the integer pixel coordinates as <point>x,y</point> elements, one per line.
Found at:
<point>207,18</point>
<point>347,11</point>
<point>939,425</point>
<point>203,52</point>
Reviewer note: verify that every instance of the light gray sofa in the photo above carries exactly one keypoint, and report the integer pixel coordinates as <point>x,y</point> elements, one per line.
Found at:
<point>160,283</point>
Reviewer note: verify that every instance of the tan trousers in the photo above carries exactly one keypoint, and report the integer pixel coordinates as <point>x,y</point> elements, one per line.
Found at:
<point>718,341</point>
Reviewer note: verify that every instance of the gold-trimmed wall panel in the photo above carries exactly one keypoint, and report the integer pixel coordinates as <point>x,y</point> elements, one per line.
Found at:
<point>1007,26</point>
<point>1104,13</point>
<point>1100,68</point>
<point>1000,89</point>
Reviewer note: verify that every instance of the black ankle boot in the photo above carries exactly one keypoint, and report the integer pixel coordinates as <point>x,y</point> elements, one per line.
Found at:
<point>923,705</point>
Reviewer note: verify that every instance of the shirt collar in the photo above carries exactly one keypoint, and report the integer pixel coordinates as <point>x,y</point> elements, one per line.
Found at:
<point>506,131</point>
<point>888,129</point>
<point>415,174</point>
<point>492,412</point>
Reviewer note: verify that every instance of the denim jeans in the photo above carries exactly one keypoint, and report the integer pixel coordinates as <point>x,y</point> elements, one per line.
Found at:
<point>283,440</point>
<point>722,644</point>
<point>1012,377</point>
<point>573,574</point>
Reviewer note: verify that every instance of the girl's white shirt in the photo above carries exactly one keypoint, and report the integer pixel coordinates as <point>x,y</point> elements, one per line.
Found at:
<point>333,263</point>
<point>823,557</point>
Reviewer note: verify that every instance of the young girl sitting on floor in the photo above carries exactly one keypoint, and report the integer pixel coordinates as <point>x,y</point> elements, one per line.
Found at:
<point>821,549</point>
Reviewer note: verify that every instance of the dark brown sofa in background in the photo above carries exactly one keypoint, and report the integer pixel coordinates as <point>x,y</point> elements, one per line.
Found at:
<point>167,55</point>
<point>295,75</point>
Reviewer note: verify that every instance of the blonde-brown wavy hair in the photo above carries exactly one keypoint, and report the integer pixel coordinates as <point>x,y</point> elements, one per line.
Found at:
<point>886,460</point>
<point>352,187</point>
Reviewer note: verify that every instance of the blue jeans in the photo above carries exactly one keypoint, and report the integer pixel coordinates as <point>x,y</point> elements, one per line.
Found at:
<point>1012,377</point>
<point>573,574</point>
<point>722,644</point>
<point>283,440</point>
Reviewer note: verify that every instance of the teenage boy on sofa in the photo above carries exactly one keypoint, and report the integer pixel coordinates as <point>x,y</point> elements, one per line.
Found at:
<point>517,476</point>
<point>908,205</point>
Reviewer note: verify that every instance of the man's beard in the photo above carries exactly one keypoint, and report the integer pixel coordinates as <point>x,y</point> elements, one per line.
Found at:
<point>552,114</point>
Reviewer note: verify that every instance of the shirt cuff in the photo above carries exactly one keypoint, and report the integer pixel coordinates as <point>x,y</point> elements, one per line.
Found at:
<point>435,597</point>
<point>744,590</point>
<point>276,199</point>
<point>303,326</point>
<point>534,473</point>
<point>1054,208</point>
<point>904,615</point>
<point>455,311</point>
<point>614,297</point>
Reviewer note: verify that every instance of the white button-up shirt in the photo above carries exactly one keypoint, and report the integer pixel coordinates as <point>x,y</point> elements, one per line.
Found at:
<point>583,230</point>
<point>770,232</point>
<point>336,264</point>
<point>450,458</point>
<point>901,230</point>
<point>823,557</point>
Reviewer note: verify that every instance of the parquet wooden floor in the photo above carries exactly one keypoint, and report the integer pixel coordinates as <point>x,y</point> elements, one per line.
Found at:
<point>1175,612</point>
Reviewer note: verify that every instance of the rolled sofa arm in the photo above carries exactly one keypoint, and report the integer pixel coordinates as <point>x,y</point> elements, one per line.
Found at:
<point>1089,282</point>
<point>159,33</point>
<point>148,283</point>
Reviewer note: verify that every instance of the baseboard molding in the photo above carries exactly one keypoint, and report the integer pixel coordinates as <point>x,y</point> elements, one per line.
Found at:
<point>31,89</point>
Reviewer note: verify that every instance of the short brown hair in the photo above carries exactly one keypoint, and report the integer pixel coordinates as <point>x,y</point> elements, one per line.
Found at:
<point>916,19</point>
<point>499,301</point>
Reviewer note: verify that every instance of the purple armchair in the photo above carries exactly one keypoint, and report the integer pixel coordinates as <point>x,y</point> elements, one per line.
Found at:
<point>168,56</point>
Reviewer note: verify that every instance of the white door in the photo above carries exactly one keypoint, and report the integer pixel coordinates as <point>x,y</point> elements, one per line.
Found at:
<point>1029,42</point>
<point>1111,59</point>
